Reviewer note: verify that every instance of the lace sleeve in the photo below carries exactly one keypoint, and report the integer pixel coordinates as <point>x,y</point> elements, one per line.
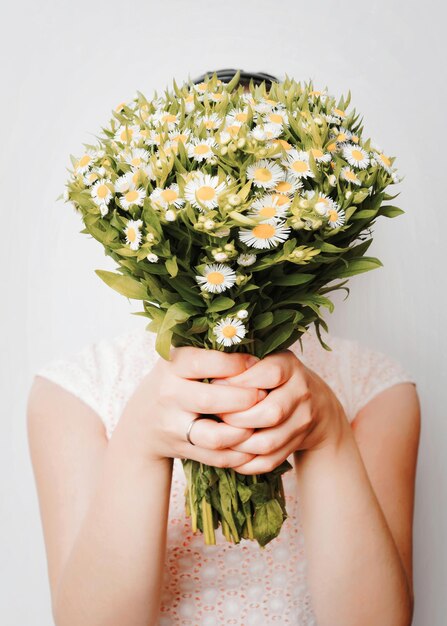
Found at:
<point>372,371</point>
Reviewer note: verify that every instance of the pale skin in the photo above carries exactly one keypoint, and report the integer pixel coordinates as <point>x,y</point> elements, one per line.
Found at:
<point>104,504</point>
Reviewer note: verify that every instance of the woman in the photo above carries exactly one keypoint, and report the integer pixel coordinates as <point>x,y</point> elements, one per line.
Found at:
<point>108,427</point>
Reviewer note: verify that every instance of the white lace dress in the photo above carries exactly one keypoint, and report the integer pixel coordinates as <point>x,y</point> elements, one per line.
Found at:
<point>226,583</point>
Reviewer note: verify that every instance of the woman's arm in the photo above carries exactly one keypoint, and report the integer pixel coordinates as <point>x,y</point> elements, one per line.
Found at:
<point>357,495</point>
<point>104,505</point>
<point>356,485</point>
<point>104,512</point>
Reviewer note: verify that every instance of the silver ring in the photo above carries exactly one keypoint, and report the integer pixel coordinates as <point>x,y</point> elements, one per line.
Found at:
<point>189,431</point>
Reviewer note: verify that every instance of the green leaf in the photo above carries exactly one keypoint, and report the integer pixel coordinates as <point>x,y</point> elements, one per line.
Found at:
<point>279,336</point>
<point>222,303</point>
<point>288,280</point>
<point>390,211</point>
<point>177,313</point>
<point>125,285</point>
<point>267,522</point>
<point>171,266</point>
<point>263,320</point>
<point>357,266</point>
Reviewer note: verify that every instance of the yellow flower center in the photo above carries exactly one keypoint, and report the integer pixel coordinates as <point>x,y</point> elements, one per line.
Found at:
<point>131,196</point>
<point>333,215</point>
<point>169,195</point>
<point>102,191</point>
<point>126,134</point>
<point>272,102</point>
<point>317,153</point>
<point>131,234</point>
<point>233,129</point>
<point>385,160</point>
<point>314,93</point>
<point>331,147</point>
<point>268,211</point>
<point>299,166</point>
<point>85,160</point>
<point>357,155</point>
<point>169,117</point>
<point>181,138</point>
<point>136,161</point>
<point>350,175</point>
<point>205,193</point>
<point>215,278</point>
<point>275,118</point>
<point>229,331</point>
<point>285,144</point>
<point>280,200</point>
<point>283,186</point>
<point>263,231</point>
<point>339,112</point>
<point>202,148</point>
<point>241,117</point>
<point>263,174</point>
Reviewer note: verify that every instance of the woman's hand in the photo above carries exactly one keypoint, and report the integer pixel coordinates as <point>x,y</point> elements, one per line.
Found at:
<point>171,395</point>
<point>301,412</point>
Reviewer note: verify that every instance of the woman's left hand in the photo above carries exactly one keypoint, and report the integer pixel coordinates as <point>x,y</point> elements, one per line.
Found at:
<point>300,412</point>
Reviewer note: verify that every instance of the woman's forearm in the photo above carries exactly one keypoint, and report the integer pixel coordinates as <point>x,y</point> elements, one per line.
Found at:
<point>114,573</point>
<point>355,573</point>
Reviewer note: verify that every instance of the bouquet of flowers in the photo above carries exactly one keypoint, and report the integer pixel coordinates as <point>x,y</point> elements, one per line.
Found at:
<point>231,215</point>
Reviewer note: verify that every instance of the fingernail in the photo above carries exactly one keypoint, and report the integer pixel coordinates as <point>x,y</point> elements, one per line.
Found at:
<point>251,360</point>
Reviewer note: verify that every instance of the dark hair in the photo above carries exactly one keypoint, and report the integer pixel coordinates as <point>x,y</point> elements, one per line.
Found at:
<point>226,75</point>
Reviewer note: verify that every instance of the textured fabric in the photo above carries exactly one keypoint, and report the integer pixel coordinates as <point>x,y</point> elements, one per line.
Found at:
<point>226,583</point>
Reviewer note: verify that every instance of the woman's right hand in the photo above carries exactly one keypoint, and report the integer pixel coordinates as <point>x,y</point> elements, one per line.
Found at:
<point>171,395</point>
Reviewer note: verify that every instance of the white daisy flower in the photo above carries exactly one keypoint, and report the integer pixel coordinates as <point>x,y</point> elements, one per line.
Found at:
<point>277,117</point>
<point>297,163</point>
<point>170,215</point>
<point>133,233</point>
<point>135,195</point>
<point>86,161</point>
<point>246,259</point>
<point>355,156</point>
<point>211,122</point>
<point>128,134</point>
<point>322,201</point>
<point>160,117</point>
<point>136,157</point>
<point>164,197</point>
<point>223,137</point>
<point>264,105</point>
<point>242,314</point>
<point>124,182</point>
<point>264,235</point>
<point>220,256</point>
<point>91,177</point>
<point>189,103</point>
<point>351,177</point>
<point>264,132</point>
<point>270,207</point>
<point>338,113</point>
<point>331,119</point>
<point>265,173</point>
<point>152,257</point>
<point>320,156</point>
<point>201,149</point>
<point>237,116</point>
<point>229,331</point>
<point>216,278</point>
<point>384,161</point>
<point>341,135</point>
<point>102,191</point>
<point>203,190</point>
<point>155,138</point>
<point>336,217</point>
<point>177,137</point>
<point>288,186</point>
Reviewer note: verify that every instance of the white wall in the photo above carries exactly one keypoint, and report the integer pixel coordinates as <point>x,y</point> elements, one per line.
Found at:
<point>65,65</point>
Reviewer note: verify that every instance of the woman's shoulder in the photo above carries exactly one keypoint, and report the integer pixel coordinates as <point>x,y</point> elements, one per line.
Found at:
<point>103,373</point>
<point>353,369</point>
